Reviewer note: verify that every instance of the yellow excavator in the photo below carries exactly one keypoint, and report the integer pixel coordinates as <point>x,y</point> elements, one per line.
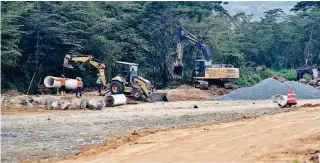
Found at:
<point>207,74</point>
<point>125,82</point>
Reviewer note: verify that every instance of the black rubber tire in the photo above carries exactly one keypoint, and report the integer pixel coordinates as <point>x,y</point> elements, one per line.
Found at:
<point>137,93</point>
<point>116,87</point>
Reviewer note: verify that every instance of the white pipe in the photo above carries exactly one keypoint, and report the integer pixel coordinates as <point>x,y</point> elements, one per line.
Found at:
<point>281,100</point>
<point>113,100</point>
<point>71,84</point>
<point>51,82</point>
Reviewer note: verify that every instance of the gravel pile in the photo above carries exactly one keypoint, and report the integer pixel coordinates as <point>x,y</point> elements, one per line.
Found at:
<point>303,91</point>
<point>269,87</point>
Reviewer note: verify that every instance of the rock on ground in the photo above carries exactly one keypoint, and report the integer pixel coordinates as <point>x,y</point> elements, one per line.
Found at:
<point>83,104</point>
<point>95,104</point>
<point>65,105</point>
<point>55,105</point>
<point>279,77</point>
<point>48,101</point>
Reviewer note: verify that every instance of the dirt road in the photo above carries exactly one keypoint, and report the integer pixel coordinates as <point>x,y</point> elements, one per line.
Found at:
<point>56,134</point>
<point>289,136</point>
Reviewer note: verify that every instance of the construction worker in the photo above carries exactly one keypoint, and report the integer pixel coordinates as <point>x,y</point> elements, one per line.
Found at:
<point>99,83</point>
<point>79,87</point>
<point>63,84</point>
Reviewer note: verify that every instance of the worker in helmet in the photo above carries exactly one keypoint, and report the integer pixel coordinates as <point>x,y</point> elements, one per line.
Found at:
<point>79,87</point>
<point>99,83</point>
<point>63,84</point>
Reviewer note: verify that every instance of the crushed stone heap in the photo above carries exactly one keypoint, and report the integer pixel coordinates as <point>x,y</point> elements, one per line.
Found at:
<point>269,87</point>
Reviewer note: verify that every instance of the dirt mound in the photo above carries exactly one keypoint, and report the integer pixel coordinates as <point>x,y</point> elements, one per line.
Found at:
<point>218,91</point>
<point>186,94</point>
<point>279,77</point>
<point>185,87</point>
<point>189,93</point>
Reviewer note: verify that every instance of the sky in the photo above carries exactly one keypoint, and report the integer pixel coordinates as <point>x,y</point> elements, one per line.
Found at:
<point>258,7</point>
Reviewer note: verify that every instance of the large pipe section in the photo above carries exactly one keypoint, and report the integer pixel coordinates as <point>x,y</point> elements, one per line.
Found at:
<point>114,100</point>
<point>281,100</point>
<point>52,82</point>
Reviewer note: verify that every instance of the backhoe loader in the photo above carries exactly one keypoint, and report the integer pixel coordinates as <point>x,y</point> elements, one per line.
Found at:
<point>125,82</point>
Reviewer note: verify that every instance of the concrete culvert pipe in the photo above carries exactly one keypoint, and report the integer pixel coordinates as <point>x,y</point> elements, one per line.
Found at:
<point>71,84</point>
<point>114,100</point>
<point>281,100</point>
<point>52,82</point>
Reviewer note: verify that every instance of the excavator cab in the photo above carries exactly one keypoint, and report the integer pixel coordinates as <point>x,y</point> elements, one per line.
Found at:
<point>200,68</point>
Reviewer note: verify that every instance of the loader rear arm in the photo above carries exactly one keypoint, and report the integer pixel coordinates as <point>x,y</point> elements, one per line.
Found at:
<point>94,62</point>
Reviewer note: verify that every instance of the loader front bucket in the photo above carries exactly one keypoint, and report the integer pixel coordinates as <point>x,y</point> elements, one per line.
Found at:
<point>158,96</point>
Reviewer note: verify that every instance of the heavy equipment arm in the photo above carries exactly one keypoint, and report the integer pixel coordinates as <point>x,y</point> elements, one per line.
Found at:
<point>88,59</point>
<point>184,35</point>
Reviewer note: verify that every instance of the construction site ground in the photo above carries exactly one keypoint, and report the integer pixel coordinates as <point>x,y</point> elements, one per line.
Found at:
<point>285,137</point>
<point>38,134</point>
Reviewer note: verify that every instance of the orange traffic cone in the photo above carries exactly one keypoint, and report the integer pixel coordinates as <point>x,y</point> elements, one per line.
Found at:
<point>291,98</point>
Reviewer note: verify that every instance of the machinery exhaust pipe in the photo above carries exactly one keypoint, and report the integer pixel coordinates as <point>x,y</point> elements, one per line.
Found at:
<point>114,100</point>
<point>52,82</point>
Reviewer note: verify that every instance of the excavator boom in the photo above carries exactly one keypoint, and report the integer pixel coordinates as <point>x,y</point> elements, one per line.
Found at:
<point>184,35</point>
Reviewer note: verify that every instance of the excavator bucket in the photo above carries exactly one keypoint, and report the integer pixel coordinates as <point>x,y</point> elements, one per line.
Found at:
<point>158,96</point>
<point>66,61</point>
<point>177,70</point>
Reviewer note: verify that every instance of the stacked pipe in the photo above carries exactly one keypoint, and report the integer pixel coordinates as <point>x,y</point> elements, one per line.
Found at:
<point>52,82</point>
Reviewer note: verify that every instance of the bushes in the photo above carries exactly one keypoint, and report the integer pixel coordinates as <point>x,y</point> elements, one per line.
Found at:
<point>251,77</point>
<point>289,74</point>
<point>265,74</point>
<point>248,78</point>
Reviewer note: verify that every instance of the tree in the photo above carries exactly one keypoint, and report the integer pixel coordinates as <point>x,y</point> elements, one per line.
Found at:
<point>36,36</point>
<point>305,5</point>
<point>10,40</point>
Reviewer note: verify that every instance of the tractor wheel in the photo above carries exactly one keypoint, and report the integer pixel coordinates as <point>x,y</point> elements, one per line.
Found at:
<point>137,93</point>
<point>116,87</point>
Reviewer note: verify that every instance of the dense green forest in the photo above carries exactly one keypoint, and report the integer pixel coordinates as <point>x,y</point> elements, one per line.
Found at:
<point>35,37</point>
